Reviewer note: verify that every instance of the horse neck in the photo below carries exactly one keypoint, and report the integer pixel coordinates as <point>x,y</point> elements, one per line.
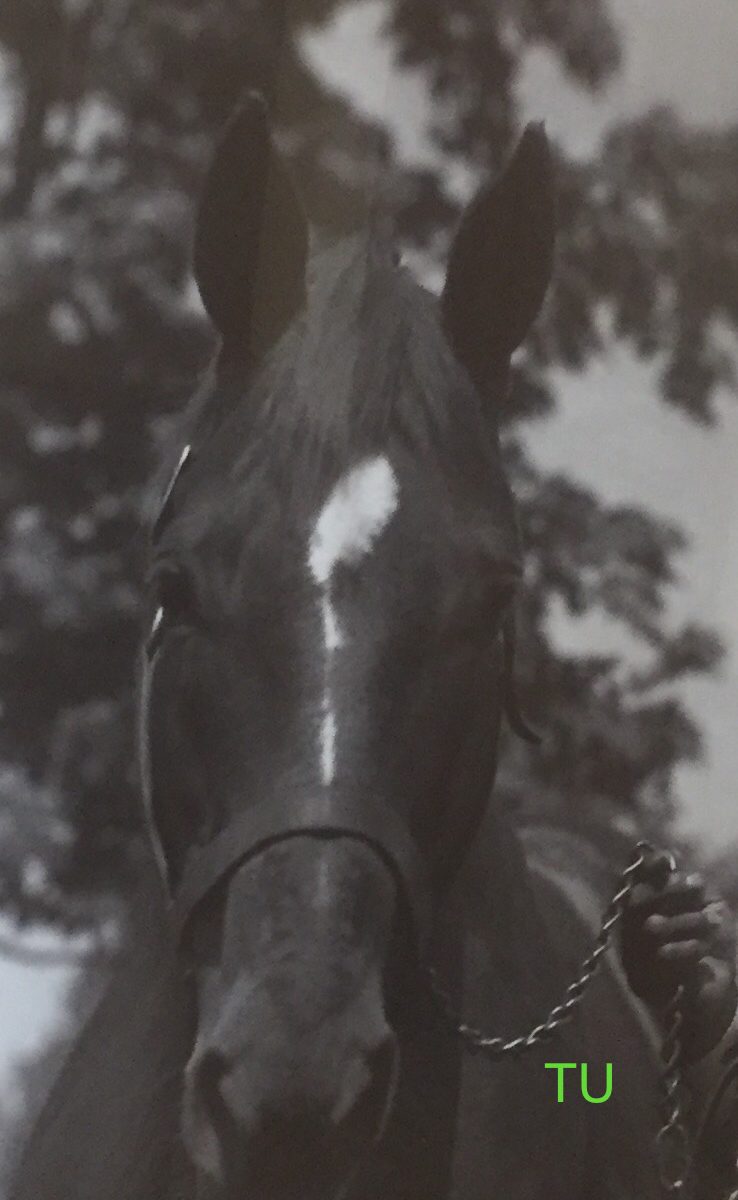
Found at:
<point>492,944</point>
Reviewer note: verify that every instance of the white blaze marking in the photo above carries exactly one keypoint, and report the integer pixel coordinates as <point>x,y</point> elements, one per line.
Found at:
<point>352,518</point>
<point>332,635</point>
<point>327,740</point>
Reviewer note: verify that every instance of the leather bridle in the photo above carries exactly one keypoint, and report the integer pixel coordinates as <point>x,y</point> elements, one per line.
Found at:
<point>324,816</point>
<point>329,815</point>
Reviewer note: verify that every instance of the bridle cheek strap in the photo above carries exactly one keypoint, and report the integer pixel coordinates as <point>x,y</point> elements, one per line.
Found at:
<point>324,816</point>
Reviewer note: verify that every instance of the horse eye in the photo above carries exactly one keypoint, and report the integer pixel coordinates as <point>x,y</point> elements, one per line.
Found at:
<point>174,593</point>
<point>175,603</point>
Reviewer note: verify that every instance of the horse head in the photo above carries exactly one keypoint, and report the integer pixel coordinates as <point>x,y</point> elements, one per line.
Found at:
<point>324,675</point>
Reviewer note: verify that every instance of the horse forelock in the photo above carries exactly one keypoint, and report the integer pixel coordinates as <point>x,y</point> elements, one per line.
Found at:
<point>366,362</point>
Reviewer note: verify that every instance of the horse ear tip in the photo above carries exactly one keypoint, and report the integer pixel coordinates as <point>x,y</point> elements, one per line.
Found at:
<point>531,170</point>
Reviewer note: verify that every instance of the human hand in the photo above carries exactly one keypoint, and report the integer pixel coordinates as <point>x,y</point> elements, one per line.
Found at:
<point>673,935</point>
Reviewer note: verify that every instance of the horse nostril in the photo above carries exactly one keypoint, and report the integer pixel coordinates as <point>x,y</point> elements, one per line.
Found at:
<point>369,1111</point>
<point>208,1075</point>
<point>208,1125</point>
<point>210,1071</point>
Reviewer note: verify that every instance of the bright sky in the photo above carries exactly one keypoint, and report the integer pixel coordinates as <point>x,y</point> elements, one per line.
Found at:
<point>609,432</point>
<point>30,1000</point>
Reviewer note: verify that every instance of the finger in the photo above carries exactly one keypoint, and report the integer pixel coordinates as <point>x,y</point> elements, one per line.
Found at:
<point>680,879</point>
<point>684,927</point>
<point>713,977</point>
<point>715,989</point>
<point>656,867</point>
<point>681,952</point>
<point>682,893</point>
<point>722,930</point>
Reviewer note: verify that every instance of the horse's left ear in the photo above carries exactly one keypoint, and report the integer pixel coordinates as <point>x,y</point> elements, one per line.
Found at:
<point>251,237</point>
<point>501,260</point>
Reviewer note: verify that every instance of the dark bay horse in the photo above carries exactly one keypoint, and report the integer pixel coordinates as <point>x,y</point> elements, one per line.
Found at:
<point>334,565</point>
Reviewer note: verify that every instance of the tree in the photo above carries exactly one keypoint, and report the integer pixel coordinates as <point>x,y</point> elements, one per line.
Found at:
<point>117,106</point>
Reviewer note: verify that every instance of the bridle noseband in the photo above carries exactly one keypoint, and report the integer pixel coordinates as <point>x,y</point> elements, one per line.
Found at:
<point>325,816</point>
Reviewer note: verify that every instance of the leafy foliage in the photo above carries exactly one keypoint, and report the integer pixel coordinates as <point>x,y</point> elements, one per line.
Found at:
<point>117,105</point>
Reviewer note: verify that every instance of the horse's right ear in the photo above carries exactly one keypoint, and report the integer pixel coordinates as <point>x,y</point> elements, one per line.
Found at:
<point>251,238</point>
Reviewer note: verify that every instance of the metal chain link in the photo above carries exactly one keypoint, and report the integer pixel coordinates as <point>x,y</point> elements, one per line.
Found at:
<point>672,1140</point>
<point>672,1143</point>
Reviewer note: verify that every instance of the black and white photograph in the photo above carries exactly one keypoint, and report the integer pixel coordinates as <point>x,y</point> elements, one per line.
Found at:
<point>368,600</point>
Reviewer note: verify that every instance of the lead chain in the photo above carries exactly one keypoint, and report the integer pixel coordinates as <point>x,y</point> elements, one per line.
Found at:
<point>672,1145</point>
